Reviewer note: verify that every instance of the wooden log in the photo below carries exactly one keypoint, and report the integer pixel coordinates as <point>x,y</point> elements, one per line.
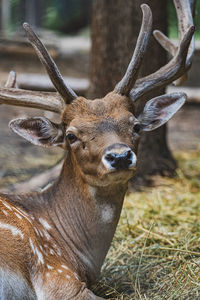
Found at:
<point>41,82</point>
<point>192,93</point>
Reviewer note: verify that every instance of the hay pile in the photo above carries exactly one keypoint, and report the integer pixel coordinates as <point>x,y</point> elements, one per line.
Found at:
<point>156,250</point>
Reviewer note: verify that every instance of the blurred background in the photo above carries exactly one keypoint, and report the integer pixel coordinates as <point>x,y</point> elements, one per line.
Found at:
<point>92,41</point>
<point>63,16</point>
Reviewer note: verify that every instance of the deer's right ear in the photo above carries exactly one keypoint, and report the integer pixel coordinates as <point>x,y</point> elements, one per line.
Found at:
<point>39,131</point>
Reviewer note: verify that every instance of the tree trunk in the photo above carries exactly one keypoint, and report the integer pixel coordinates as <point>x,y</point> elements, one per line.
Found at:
<point>4,16</point>
<point>115,28</point>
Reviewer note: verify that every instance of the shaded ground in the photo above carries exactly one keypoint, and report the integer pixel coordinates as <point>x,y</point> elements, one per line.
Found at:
<point>19,159</point>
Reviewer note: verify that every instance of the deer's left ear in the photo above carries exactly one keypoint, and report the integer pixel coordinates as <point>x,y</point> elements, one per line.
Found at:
<point>39,131</point>
<point>159,110</point>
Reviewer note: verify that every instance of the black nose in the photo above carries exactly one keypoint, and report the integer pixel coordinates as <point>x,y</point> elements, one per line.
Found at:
<point>120,161</point>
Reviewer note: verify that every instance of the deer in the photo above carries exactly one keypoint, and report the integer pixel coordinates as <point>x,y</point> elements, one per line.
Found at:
<point>53,243</point>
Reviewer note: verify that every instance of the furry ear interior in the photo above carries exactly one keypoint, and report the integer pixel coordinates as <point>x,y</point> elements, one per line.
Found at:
<point>159,110</point>
<point>39,131</point>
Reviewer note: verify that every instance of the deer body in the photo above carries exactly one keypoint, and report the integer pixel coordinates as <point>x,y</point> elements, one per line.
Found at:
<point>53,243</point>
<point>67,229</point>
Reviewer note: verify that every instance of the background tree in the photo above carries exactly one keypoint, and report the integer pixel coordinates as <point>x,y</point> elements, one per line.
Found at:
<point>115,28</point>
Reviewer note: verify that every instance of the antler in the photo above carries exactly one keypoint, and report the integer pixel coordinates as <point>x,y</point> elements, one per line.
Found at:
<point>177,66</point>
<point>12,80</point>
<point>184,9</point>
<point>64,90</point>
<point>41,100</point>
<point>11,95</point>
<point>127,82</point>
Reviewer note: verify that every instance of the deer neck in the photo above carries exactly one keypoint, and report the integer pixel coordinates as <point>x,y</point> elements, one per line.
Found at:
<point>85,218</point>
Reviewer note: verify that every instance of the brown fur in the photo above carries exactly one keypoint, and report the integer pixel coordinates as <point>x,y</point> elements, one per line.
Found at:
<point>56,240</point>
<point>75,238</point>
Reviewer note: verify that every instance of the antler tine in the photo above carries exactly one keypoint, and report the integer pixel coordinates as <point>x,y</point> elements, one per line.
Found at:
<point>182,57</point>
<point>11,95</point>
<point>12,80</point>
<point>127,82</point>
<point>165,75</point>
<point>64,90</point>
<point>41,100</point>
<point>184,9</point>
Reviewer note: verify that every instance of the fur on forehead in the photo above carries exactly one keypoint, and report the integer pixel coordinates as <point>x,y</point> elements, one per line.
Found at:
<point>111,105</point>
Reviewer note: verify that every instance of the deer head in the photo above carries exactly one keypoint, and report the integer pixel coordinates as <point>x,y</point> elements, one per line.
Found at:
<point>102,135</point>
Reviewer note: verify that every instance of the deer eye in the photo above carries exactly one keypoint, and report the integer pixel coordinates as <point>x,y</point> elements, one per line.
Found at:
<point>137,127</point>
<point>71,138</point>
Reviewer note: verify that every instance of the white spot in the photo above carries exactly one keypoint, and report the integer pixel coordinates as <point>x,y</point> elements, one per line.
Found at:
<point>54,246</point>
<point>13,229</point>
<point>40,232</point>
<point>68,277</point>
<point>18,216</point>
<point>36,252</point>
<point>51,251</point>
<point>107,213</point>
<point>5,212</point>
<point>76,276</point>
<point>8,206</point>
<point>45,223</point>
<point>23,214</point>
<point>40,256</point>
<point>46,235</point>
<point>32,217</point>
<point>36,230</point>
<point>47,274</point>
<point>58,251</point>
<point>41,248</point>
<point>92,191</point>
<point>50,267</point>
<point>59,271</point>
<point>64,267</point>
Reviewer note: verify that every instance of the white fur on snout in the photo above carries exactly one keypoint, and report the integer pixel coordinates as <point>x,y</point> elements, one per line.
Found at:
<point>134,160</point>
<point>108,165</point>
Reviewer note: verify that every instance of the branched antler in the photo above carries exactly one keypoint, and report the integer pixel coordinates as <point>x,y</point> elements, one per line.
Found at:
<point>129,85</point>
<point>41,100</point>
<point>64,90</point>
<point>167,74</point>
<point>127,82</point>
<point>178,65</point>
<point>184,9</point>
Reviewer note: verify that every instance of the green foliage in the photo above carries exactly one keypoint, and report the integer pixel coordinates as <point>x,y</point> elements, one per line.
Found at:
<point>67,16</point>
